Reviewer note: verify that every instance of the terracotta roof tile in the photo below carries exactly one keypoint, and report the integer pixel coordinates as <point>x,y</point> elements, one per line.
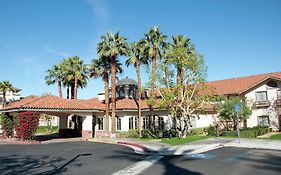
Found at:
<point>241,84</point>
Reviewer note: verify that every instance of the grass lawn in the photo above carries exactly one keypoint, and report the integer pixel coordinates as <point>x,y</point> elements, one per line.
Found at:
<point>43,129</point>
<point>277,137</point>
<point>188,139</point>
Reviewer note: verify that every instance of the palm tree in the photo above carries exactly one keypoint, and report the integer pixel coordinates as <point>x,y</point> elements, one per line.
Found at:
<point>75,74</point>
<point>55,75</point>
<point>101,68</point>
<point>155,43</point>
<point>5,86</point>
<point>137,57</point>
<point>111,46</point>
<point>178,54</point>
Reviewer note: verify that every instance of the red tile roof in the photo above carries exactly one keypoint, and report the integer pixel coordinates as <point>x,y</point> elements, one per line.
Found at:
<point>221,87</point>
<point>241,84</point>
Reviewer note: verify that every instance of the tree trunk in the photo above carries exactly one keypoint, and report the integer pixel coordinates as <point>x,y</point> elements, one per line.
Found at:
<point>151,107</point>
<point>67,92</point>
<point>106,89</point>
<point>4,99</point>
<point>113,93</point>
<point>139,98</point>
<point>72,89</point>
<point>75,87</point>
<point>60,90</point>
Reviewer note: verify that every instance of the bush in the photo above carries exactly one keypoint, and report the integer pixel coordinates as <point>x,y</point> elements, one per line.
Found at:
<point>211,131</point>
<point>198,131</point>
<point>248,132</point>
<point>7,125</point>
<point>132,133</point>
<point>158,134</point>
<point>27,124</point>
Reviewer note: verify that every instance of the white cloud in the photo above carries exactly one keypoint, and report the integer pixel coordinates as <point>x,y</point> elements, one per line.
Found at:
<point>51,50</point>
<point>100,9</point>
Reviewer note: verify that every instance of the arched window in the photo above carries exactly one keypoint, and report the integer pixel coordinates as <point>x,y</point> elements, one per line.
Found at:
<point>272,84</point>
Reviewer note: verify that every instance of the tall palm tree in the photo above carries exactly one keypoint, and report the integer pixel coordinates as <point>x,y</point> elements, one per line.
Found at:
<point>138,57</point>
<point>5,86</point>
<point>155,43</point>
<point>111,46</point>
<point>178,54</point>
<point>75,74</point>
<point>55,75</point>
<point>101,68</point>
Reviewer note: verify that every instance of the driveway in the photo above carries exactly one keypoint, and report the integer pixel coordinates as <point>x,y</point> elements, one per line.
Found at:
<point>81,158</point>
<point>65,158</point>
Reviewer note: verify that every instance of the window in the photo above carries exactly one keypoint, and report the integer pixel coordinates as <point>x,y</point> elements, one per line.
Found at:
<point>145,122</point>
<point>100,123</point>
<point>118,123</point>
<point>279,94</point>
<point>263,120</point>
<point>133,123</point>
<point>160,123</point>
<point>261,96</point>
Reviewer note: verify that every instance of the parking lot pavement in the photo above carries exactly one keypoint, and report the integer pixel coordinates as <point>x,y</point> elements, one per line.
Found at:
<point>66,158</point>
<point>227,160</point>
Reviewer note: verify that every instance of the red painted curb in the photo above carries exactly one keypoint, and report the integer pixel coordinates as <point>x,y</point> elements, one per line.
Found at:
<point>21,142</point>
<point>133,144</point>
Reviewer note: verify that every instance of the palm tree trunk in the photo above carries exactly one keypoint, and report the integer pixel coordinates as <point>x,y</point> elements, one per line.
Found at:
<point>151,107</point>
<point>4,99</point>
<point>106,89</point>
<point>59,87</point>
<point>113,94</point>
<point>75,87</point>
<point>67,92</point>
<point>72,89</point>
<point>139,98</point>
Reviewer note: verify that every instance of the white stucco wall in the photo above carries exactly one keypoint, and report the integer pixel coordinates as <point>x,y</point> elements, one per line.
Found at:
<point>266,111</point>
<point>204,120</point>
<point>87,123</point>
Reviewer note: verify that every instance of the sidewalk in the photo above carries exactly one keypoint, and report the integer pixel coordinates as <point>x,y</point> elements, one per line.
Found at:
<point>156,147</point>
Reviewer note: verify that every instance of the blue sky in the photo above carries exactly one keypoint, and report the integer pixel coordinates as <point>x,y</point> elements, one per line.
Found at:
<point>236,37</point>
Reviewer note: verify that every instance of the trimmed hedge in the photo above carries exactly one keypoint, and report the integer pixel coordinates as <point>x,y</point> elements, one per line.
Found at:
<point>248,132</point>
<point>198,131</point>
<point>158,134</point>
<point>132,133</point>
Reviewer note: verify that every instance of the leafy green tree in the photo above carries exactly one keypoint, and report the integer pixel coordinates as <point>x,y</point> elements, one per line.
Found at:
<point>111,46</point>
<point>187,95</point>
<point>138,57</point>
<point>5,86</point>
<point>228,114</point>
<point>101,68</point>
<point>155,44</point>
<point>55,75</point>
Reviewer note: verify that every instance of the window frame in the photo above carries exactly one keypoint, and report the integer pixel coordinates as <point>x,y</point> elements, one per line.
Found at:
<point>118,123</point>
<point>100,123</point>
<point>262,118</point>
<point>257,92</point>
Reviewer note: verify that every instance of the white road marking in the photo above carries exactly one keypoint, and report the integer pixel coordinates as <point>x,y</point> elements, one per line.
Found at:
<point>139,167</point>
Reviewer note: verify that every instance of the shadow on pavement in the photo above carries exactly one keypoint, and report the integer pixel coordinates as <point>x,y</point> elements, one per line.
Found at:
<point>16,165</point>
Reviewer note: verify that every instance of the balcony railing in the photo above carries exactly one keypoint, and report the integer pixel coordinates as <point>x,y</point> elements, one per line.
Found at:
<point>260,104</point>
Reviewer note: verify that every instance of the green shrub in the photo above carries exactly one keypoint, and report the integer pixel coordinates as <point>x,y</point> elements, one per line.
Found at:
<point>248,132</point>
<point>158,134</point>
<point>7,125</point>
<point>211,131</point>
<point>198,131</point>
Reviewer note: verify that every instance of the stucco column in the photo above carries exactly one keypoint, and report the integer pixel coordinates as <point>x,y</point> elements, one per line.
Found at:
<point>87,127</point>
<point>63,122</point>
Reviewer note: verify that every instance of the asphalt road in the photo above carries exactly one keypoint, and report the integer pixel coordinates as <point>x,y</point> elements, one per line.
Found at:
<point>81,158</point>
<point>77,158</point>
<point>226,160</point>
